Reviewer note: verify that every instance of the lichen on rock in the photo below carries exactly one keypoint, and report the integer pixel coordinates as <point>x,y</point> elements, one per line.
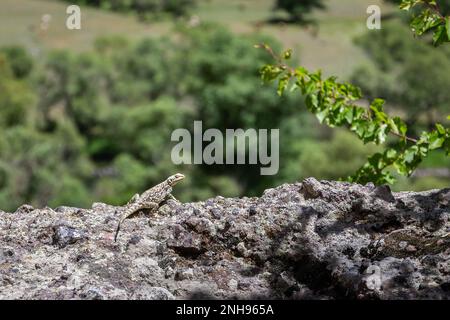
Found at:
<point>309,240</point>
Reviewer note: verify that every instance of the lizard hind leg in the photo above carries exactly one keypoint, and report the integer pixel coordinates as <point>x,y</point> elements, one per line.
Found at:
<point>145,205</point>
<point>152,206</point>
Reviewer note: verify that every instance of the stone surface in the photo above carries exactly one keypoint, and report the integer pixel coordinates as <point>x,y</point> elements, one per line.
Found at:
<point>309,240</point>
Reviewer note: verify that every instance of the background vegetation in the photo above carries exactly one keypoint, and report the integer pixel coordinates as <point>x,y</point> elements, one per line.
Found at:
<point>87,115</point>
<point>144,9</point>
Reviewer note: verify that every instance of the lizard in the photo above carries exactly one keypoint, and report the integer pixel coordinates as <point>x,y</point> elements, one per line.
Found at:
<point>150,199</point>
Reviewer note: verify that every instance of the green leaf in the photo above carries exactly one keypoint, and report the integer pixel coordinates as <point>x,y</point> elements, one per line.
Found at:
<point>408,4</point>
<point>435,138</point>
<point>287,54</point>
<point>447,26</point>
<point>311,102</point>
<point>349,115</point>
<point>410,154</point>
<point>401,126</point>
<point>436,143</point>
<point>322,115</point>
<point>391,154</point>
<point>440,128</point>
<point>270,73</point>
<point>282,84</point>
<point>332,103</point>
<point>377,108</point>
<point>440,35</point>
<point>382,133</point>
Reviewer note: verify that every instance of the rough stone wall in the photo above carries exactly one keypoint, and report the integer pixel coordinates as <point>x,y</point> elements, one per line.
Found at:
<point>309,240</point>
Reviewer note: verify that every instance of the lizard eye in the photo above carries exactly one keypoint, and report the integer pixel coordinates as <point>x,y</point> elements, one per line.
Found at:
<point>175,178</point>
<point>178,176</point>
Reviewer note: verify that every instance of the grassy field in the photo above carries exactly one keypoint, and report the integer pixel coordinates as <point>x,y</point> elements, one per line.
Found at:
<point>330,47</point>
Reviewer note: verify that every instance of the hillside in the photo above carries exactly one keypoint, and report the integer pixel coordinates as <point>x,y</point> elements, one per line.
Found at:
<point>331,49</point>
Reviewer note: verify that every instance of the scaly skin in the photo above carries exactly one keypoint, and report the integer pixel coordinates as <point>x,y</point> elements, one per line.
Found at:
<point>150,199</point>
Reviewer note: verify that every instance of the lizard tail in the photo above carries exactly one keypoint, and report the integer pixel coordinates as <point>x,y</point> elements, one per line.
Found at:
<point>117,231</point>
<point>125,215</point>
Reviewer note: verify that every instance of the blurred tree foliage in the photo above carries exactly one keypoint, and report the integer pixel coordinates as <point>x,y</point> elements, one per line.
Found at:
<point>411,74</point>
<point>33,163</point>
<point>299,10</point>
<point>145,9</point>
<point>96,126</point>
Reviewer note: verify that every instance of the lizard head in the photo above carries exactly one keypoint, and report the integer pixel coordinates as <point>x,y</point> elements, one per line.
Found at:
<point>174,179</point>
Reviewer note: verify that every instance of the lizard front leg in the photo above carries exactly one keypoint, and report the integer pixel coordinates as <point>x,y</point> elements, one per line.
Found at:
<point>171,197</point>
<point>133,208</point>
<point>134,199</point>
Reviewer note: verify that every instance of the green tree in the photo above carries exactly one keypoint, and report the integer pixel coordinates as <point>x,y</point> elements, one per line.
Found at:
<point>20,61</point>
<point>145,9</point>
<point>16,97</point>
<point>410,74</point>
<point>221,74</point>
<point>298,10</point>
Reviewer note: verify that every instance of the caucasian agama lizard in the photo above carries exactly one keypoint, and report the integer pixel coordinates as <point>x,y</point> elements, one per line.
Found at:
<point>150,199</point>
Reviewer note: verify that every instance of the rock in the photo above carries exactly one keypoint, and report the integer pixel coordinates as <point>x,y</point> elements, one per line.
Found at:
<point>92,294</point>
<point>201,225</point>
<point>309,240</point>
<point>285,281</point>
<point>26,208</point>
<point>67,210</point>
<point>242,249</point>
<point>185,243</point>
<point>233,284</point>
<point>444,198</point>
<point>65,235</point>
<point>383,192</point>
<point>215,213</point>
<point>311,188</point>
<point>185,274</point>
<point>152,293</point>
<point>169,272</point>
<point>252,211</point>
